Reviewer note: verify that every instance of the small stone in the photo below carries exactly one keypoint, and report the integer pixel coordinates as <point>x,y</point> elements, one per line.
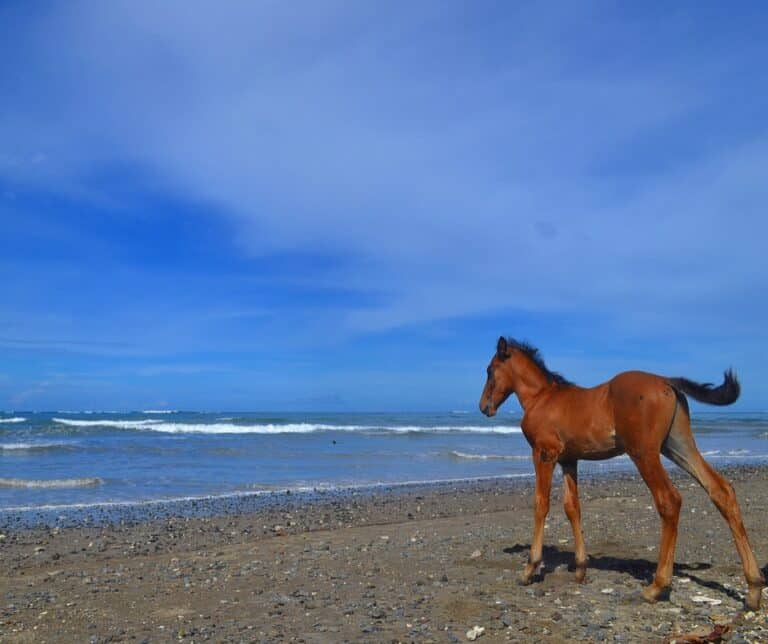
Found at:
<point>607,591</point>
<point>475,632</point>
<point>475,554</point>
<point>703,599</point>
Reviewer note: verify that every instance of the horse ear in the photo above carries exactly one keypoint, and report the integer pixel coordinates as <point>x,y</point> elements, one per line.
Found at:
<point>501,348</point>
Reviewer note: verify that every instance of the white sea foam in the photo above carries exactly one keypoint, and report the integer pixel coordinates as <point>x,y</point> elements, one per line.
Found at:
<point>15,419</point>
<point>739,453</point>
<point>160,411</point>
<point>307,428</point>
<point>121,424</point>
<point>90,412</point>
<point>490,457</point>
<point>319,487</point>
<point>288,428</point>
<point>51,483</point>
<point>712,452</point>
<point>29,447</point>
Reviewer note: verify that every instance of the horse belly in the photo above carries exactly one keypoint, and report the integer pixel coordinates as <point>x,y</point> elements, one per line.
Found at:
<point>594,443</point>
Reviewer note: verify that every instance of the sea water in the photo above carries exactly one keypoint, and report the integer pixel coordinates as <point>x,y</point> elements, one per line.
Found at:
<point>70,458</point>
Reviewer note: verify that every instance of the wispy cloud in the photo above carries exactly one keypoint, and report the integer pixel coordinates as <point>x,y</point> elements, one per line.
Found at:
<point>60,344</point>
<point>346,129</point>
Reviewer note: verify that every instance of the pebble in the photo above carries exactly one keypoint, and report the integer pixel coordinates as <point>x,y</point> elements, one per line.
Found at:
<point>701,599</point>
<point>475,632</point>
<point>367,584</point>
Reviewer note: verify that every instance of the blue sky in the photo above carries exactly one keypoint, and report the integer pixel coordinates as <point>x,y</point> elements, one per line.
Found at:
<point>334,205</point>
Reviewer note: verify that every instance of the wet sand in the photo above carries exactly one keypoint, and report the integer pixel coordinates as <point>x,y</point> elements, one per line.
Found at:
<point>420,564</point>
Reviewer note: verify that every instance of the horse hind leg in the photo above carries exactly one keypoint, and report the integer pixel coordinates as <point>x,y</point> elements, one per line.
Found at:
<point>573,512</point>
<point>668,501</point>
<point>680,447</point>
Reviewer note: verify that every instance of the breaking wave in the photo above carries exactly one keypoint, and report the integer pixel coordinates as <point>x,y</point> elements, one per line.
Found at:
<point>490,457</point>
<point>29,447</point>
<point>51,483</point>
<point>15,419</point>
<point>121,424</point>
<point>288,428</point>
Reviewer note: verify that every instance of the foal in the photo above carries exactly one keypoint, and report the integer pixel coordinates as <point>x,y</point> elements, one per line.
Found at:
<point>637,413</point>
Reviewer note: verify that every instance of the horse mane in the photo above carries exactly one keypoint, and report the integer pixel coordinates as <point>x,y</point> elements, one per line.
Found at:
<point>535,355</point>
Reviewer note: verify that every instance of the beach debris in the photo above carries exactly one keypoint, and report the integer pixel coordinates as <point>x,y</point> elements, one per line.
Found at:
<point>684,580</point>
<point>703,599</point>
<point>607,591</point>
<point>476,554</point>
<point>719,633</point>
<point>475,632</point>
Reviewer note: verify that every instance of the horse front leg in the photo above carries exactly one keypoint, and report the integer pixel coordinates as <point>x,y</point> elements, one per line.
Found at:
<point>544,461</point>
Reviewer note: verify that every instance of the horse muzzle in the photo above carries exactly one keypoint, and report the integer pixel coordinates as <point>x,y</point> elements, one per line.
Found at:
<point>487,409</point>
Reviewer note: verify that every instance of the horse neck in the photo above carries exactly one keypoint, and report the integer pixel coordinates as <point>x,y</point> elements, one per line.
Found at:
<point>530,381</point>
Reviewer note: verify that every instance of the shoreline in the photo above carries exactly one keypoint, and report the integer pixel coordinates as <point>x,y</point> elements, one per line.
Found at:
<point>109,513</point>
<point>245,502</point>
<point>414,563</point>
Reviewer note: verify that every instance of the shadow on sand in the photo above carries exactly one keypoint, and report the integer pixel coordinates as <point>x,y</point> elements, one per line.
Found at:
<point>641,569</point>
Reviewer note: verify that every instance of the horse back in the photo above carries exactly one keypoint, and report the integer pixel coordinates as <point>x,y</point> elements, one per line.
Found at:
<point>619,415</point>
<point>643,406</point>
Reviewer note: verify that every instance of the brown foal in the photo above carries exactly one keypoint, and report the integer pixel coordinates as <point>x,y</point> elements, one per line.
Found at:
<point>640,414</point>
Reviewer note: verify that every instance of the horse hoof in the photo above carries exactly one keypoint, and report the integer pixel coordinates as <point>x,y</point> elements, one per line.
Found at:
<point>525,581</point>
<point>581,575</point>
<point>653,593</point>
<point>650,594</point>
<point>752,600</point>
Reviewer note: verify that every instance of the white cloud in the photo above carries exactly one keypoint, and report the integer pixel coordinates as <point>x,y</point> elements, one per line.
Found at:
<point>426,153</point>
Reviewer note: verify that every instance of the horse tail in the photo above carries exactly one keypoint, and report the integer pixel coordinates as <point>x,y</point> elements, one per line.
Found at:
<point>725,394</point>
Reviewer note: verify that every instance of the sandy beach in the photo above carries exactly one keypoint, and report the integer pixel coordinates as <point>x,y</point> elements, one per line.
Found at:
<point>420,563</point>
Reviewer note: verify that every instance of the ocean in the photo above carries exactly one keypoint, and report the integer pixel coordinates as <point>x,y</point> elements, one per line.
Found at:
<point>72,459</point>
